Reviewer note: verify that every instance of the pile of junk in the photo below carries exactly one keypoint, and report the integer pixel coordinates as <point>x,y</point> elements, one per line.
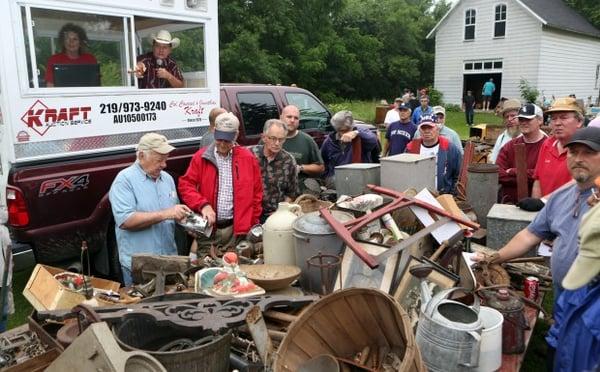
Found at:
<point>379,281</point>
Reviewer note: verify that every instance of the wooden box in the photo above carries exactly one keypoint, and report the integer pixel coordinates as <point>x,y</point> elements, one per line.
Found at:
<point>46,293</point>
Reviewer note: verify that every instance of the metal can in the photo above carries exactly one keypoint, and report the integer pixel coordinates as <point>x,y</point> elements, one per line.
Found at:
<point>531,288</point>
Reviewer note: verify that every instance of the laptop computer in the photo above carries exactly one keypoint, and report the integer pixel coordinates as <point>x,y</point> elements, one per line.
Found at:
<point>77,75</point>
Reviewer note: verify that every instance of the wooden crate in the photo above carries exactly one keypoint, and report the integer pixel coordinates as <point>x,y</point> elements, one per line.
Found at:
<point>46,293</point>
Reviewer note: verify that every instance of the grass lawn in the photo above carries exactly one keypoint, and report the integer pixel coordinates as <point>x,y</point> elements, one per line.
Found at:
<point>22,307</point>
<point>365,111</point>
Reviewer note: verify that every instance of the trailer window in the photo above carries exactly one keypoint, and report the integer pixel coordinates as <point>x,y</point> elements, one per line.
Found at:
<point>187,49</point>
<point>75,49</point>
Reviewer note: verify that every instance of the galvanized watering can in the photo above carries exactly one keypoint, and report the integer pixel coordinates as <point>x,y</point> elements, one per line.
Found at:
<point>449,332</point>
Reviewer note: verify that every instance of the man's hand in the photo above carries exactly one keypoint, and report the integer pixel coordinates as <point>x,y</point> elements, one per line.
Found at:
<point>482,257</point>
<point>163,73</point>
<point>209,214</point>
<point>177,212</point>
<point>348,136</point>
<point>531,204</point>
<point>139,70</point>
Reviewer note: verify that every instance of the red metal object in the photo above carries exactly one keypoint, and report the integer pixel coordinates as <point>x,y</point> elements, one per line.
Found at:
<point>531,288</point>
<point>346,230</point>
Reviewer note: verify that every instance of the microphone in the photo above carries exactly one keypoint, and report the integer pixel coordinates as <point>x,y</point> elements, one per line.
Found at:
<point>161,82</point>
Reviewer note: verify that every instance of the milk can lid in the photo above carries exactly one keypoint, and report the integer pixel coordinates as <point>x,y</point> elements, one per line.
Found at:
<point>314,223</point>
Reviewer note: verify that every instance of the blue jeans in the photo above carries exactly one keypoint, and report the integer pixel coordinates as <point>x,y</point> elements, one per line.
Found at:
<point>127,280</point>
<point>469,115</point>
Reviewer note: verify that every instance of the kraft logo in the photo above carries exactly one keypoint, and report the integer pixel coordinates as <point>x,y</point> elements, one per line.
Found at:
<point>40,117</point>
<point>56,185</point>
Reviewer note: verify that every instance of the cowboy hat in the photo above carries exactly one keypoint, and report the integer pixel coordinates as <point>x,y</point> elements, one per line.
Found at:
<point>164,37</point>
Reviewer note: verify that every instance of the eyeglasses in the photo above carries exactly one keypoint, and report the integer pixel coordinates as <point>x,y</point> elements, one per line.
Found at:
<point>276,139</point>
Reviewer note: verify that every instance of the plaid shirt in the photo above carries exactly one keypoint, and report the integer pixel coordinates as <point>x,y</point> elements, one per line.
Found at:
<point>279,177</point>
<point>225,191</point>
<point>150,79</point>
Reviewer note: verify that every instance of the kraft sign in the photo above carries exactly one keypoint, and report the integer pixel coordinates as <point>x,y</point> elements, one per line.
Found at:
<point>40,118</point>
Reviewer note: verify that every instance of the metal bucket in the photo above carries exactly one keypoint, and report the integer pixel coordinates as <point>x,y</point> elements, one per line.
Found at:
<point>313,235</point>
<point>482,189</point>
<point>449,334</point>
<point>140,332</point>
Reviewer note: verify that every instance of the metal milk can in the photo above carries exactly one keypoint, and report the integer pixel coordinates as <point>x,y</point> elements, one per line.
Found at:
<point>514,325</point>
<point>278,239</point>
<point>449,333</point>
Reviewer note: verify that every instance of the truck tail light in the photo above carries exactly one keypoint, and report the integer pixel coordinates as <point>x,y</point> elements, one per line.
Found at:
<point>18,215</point>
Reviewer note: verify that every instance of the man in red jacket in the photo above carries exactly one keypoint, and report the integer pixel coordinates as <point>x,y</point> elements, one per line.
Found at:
<point>223,183</point>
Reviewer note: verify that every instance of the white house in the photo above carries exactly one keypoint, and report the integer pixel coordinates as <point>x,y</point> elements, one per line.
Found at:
<point>543,41</point>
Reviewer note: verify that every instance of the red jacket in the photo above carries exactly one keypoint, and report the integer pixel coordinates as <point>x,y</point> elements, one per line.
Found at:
<point>199,186</point>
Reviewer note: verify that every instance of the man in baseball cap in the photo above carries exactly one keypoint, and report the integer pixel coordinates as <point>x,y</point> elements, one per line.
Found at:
<point>532,137</point>
<point>448,156</point>
<point>145,206</point>
<point>208,185</point>
<point>576,332</point>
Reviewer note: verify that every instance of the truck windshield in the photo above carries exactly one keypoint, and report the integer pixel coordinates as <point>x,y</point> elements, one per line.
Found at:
<point>83,49</point>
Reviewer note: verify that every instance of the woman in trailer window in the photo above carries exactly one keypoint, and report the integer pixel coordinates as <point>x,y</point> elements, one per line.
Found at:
<point>73,40</point>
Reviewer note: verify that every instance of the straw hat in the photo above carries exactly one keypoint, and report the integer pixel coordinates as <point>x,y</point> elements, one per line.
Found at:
<point>164,37</point>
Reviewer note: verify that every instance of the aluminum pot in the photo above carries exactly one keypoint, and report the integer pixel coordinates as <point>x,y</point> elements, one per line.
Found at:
<point>313,235</point>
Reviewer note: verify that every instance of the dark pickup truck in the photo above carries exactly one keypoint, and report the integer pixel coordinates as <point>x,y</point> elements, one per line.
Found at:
<point>56,204</point>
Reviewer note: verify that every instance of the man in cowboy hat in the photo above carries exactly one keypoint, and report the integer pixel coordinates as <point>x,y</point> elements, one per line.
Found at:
<point>157,69</point>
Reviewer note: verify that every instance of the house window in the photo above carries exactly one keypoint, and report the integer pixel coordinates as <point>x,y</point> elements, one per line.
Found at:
<point>500,21</point>
<point>470,24</point>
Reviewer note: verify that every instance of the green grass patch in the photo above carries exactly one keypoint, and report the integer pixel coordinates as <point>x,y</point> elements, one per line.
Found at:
<point>22,307</point>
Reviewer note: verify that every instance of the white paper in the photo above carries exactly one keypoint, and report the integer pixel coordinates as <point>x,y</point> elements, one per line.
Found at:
<point>544,250</point>
<point>444,232</point>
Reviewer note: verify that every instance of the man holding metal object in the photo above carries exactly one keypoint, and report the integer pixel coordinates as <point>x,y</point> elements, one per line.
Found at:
<point>223,183</point>
<point>145,205</point>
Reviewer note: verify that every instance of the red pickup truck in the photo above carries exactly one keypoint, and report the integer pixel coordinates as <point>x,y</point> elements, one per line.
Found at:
<point>55,204</point>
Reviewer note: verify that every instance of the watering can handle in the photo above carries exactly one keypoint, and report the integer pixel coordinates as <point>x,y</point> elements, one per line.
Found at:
<point>474,357</point>
<point>435,301</point>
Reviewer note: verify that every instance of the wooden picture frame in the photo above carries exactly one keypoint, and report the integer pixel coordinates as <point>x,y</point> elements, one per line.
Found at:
<point>355,273</point>
<point>408,292</point>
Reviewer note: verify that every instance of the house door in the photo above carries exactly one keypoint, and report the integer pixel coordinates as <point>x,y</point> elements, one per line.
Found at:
<point>474,83</point>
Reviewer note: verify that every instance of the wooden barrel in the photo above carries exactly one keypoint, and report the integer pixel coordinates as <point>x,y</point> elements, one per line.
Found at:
<point>343,323</point>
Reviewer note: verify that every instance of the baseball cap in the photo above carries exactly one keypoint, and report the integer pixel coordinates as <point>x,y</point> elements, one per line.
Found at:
<point>530,111</point>
<point>565,104</point>
<point>589,136</point>
<point>398,99</point>
<point>226,127</point>
<point>155,142</point>
<point>587,263</point>
<point>439,110</point>
<point>403,106</point>
<point>427,120</point>
<point>511,104</point>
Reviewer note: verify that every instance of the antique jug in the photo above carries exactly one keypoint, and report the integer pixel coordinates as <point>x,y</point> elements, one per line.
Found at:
<point>278,239</point>
<point>514,325</point>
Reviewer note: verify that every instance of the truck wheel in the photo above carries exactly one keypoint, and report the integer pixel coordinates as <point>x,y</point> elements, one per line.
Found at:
<point>113,253</point>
